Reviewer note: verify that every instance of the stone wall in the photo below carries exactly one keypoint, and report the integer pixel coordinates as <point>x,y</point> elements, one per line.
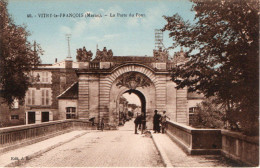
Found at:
<point>240,147</point>
<point>233,145</point>
<point>195,141</point>
<point>17,136</point>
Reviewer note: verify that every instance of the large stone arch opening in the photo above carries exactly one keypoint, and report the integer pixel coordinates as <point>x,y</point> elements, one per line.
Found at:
<point>141,97</point>
<point>136,83</point>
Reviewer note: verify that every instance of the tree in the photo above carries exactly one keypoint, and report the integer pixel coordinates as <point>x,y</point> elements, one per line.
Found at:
<point>17,57</point>
<point>209,114</point>
<point>222,48</point>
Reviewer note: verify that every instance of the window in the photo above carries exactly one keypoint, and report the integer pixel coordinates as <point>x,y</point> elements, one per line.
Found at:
<point>70,112</point>
<point>14,117</point>
<point>192,110</point>
<point>31,117</point>
<point>31,97</point>
<point>191,114</point>
<point>45,116</point>
<point>15,104</point>
<point>45,97</point>
<point>45,77</point>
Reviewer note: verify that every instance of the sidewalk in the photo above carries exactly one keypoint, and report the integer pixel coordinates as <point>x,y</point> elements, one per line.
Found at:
<point>174,156</point>
<point>20,155</point>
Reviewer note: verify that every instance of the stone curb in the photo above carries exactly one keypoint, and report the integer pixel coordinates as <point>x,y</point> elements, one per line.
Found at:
<point>166,160</point>
<point>31,156</point>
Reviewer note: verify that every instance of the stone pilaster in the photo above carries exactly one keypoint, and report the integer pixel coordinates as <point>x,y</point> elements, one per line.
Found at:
<point>94,96</point>
<point>104,91</point>
<point>83,97</point>
<point>181,106</point>
<point>161,93</point>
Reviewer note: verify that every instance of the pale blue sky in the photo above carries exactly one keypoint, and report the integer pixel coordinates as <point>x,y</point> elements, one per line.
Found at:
<point>125,36</point>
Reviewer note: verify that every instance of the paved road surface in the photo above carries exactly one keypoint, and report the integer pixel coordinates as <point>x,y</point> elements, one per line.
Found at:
<point>103,149</point>
<point>122,148</point>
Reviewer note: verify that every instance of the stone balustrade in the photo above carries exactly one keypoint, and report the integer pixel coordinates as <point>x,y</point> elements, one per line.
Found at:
<point>161,66</point>
<point>195,141</point>
<point>94,65</point>
<point>19,134</point>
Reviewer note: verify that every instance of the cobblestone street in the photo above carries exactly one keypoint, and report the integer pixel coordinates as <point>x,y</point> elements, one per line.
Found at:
<point>103,149</point>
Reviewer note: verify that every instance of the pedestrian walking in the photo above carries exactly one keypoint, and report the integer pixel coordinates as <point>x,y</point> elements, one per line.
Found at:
<point>156,121</point>
<point>102,124</point>
<point>138,121</point>
<point>163,121</point>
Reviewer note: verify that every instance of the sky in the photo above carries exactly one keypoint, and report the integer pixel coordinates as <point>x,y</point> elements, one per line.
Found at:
<point>131,34</point>
<point>132,98</point>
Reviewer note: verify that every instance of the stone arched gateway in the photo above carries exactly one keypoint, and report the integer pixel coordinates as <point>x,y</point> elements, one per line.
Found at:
<point>100,84</point>
<point>135,79</point>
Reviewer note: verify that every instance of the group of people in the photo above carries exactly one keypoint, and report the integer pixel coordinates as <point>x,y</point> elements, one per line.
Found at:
<point>159,121</point>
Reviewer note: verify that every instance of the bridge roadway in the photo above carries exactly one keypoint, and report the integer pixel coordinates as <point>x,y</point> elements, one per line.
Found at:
<point>120,148</point>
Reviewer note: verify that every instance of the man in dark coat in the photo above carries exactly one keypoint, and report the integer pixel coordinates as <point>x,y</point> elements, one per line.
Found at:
<point>156,122</point>
<point>138,121</point>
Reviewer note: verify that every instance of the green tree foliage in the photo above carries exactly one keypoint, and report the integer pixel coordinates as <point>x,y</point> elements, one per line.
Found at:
<point>209,114</point>
<point>17,57</point>
<point>223,54</point>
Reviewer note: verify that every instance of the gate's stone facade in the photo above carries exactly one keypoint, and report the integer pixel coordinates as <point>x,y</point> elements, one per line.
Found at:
<point>100,88</point>
<point>103,80</point>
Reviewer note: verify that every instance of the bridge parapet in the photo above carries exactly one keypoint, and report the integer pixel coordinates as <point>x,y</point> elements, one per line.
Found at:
<point>195,141</point>
<point>240,147</point>
<point>234,145</point>
<point>10,137</point>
